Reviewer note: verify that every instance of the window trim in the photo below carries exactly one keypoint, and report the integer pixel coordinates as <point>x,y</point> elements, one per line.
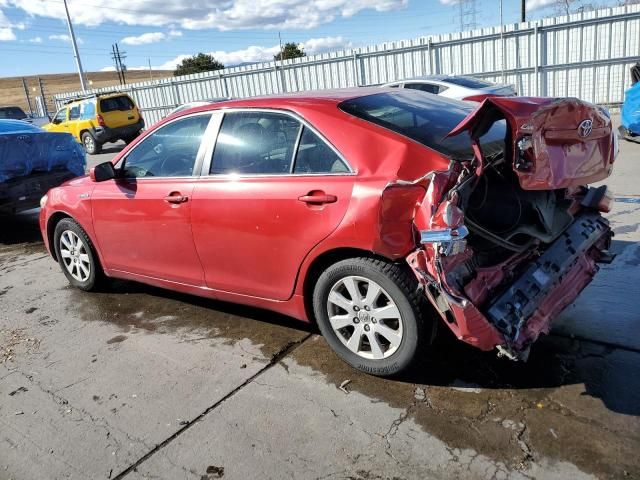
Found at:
<point>206,165</point>
<point>195,173</point>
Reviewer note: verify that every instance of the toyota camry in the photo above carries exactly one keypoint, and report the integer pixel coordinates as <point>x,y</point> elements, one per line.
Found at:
<point>378,214</point>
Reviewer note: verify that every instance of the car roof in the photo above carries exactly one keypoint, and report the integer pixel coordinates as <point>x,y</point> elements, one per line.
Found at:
<point>437,78</point>
<point>295,100</point>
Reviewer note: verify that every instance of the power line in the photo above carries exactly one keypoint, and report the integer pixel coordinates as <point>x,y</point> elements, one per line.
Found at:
<point>468,12</point>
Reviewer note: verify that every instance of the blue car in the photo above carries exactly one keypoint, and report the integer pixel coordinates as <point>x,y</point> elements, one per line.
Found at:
<point>630,114</point>
<point>32,161</point>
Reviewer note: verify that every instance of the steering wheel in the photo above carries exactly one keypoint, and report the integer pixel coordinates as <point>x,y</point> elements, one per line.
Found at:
<point>176,165</point>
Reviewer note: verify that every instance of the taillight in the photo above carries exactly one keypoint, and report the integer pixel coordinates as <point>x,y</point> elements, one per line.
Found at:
<point>100,121</point>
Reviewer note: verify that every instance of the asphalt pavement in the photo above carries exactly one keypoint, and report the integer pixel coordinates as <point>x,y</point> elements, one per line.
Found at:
<point>140,383</point>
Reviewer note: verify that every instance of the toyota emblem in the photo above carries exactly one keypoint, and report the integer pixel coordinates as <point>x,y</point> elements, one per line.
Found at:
<point>585,127</point>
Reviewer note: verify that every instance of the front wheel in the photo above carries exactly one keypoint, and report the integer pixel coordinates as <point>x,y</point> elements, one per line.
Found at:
<point>76,255</point>
<point>371,314</point>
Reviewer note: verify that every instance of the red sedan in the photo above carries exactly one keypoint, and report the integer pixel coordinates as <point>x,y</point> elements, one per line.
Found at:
<point>378,214</point>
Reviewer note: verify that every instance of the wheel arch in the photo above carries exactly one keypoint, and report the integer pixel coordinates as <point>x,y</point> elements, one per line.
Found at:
<point>322,262</point>
<point>51,228</point>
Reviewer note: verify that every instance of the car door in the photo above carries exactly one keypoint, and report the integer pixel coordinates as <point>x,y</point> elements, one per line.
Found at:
<point>142,219</point>
<point>59,122</point>
<point>73,122</point>
<point>274,190</point>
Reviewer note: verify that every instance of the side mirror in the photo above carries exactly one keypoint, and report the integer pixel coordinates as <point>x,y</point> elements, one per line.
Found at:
<point>55,121</point>
<point>102,172</point>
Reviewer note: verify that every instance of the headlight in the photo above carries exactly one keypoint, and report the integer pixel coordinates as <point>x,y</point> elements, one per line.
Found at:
<point>43,201</point>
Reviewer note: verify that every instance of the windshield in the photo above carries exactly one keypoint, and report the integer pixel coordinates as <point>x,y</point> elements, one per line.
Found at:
<point>427,119</point>
<point>12,113</point>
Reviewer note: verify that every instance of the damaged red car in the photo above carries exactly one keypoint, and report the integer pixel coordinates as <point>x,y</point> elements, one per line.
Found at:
<point>378,214</point>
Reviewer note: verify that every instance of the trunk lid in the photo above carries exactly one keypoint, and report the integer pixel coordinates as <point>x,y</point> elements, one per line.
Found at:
<point>553,143</point>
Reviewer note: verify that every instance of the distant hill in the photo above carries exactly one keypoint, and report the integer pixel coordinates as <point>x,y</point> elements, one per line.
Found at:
<point>12,92</point>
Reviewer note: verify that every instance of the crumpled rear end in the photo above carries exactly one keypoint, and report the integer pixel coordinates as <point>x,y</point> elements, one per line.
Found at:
<point>506,247</point>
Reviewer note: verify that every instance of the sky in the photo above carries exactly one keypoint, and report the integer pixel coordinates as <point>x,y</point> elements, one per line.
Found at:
<point>34,38</point>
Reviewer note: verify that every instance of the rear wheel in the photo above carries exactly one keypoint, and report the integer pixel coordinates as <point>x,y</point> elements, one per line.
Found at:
<point>91,145</point>
<point>371,314</point>
<point>76,255</point>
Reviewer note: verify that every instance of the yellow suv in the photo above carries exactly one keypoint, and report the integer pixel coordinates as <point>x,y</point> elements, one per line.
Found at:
<point>97,119</point>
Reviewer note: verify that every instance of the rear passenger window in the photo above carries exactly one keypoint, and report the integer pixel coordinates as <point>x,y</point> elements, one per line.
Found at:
<point>424,87</point>
<point>315,156</point>
<point>74,112</point>
<point>88,110</point>
<point>255,143</point>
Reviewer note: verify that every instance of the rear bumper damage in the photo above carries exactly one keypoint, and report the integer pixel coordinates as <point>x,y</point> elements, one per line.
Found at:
<point>489,314</point>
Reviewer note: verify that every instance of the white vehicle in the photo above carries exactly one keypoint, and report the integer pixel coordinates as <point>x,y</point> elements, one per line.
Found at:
<point>199,103</point>
<point>455,86</point>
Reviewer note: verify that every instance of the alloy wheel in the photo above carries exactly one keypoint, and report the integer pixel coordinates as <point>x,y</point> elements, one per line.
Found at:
<point>364,317</point>
<point>75,256</point>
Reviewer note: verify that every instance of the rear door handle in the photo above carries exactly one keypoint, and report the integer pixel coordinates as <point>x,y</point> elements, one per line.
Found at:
<point>176,197</point>
<point>318,198</point>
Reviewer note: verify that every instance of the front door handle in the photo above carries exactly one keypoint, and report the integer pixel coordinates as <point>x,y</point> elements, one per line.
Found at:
<point>318,198</point>
<point>176,197</point>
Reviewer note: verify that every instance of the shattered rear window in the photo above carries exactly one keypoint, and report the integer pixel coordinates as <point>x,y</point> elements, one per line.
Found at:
<point>426,119</point>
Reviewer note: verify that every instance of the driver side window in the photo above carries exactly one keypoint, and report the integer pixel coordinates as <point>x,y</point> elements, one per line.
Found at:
<point>61,116</point>
<point>170,151</point>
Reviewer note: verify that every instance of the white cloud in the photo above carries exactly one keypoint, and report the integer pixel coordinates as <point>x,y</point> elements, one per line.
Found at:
<point>314,46</point>
<point>255,53</point>
<point>65,38</point>
<point>35,40</point>
<point>6,34</point>
<point>6,28</point>
<point>151,37</point>
<point>536,4</point>
<point>200,14</point>
<point>145,38</point>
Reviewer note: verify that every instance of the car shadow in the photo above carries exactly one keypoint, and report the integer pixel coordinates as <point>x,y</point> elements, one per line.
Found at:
<point>608,373</point>
<point>20,228</point>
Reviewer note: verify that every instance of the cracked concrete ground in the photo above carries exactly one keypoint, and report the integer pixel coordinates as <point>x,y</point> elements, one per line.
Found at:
<point>140,383</point>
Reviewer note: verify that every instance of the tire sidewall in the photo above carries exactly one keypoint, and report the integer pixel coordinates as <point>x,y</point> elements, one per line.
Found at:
<point>70,225</point>
<point>407,350</point>
<point>95,143</point>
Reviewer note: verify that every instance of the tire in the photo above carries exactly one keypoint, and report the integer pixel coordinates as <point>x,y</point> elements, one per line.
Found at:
<point>130,139</point>
<point>398,340</point>
<point>76,255</point>
<point>90,144</point>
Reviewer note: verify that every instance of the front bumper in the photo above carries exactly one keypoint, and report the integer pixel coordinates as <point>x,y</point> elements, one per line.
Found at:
<point>527,296</point>
<point>23,193</point>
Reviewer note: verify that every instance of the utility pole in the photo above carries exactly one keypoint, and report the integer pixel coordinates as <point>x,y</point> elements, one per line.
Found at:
<point>117,58</point>
<point>76,54</point>
<point>150,72</point>
<point>523,11</point>
<point>121,56</point>
<point>114,57</point>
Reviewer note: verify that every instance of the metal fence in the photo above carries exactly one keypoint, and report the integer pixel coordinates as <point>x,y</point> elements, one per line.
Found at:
<point>586,55</point>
